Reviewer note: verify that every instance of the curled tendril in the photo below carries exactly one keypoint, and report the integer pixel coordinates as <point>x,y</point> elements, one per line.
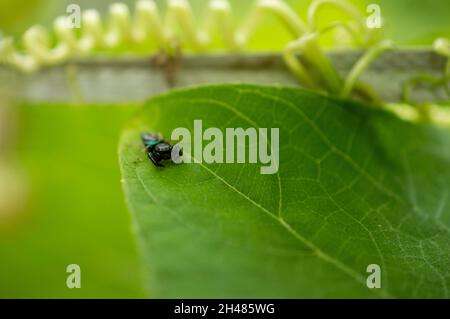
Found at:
<point>344,6</point>
<point>307,44</point>
<point>362,65</point>
<point>427,111</point>
<point>300,46</point>
<point>177,26</point>
<point>442,47</point>
<point>147,24</point>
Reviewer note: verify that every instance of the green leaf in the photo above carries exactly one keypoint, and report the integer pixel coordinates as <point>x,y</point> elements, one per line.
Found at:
<point>356,186</point>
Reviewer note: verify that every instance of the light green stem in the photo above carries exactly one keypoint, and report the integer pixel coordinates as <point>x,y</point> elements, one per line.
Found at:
<point>363,64</point>
<point>343,5</point>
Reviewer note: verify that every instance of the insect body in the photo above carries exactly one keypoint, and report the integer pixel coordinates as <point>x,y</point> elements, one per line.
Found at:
<point>157,148</point>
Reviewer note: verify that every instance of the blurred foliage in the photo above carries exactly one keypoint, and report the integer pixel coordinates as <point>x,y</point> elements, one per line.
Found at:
<point>408,22</point>
<point>76,213</point>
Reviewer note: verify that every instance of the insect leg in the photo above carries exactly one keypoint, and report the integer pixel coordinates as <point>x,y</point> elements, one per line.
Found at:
<point>155,160</point>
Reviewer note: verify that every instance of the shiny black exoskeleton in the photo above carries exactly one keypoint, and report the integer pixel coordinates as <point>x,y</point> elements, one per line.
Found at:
<point>157,148</point>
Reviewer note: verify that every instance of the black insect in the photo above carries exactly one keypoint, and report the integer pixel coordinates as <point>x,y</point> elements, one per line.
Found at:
<point>157,148</point>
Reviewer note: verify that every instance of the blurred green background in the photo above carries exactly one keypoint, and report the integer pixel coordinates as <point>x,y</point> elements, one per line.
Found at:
<point>407,22</point>
<point>75,212</point>
<point>71,206</point>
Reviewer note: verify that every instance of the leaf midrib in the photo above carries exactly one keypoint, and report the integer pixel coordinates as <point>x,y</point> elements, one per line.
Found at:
<point>315,249</point>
